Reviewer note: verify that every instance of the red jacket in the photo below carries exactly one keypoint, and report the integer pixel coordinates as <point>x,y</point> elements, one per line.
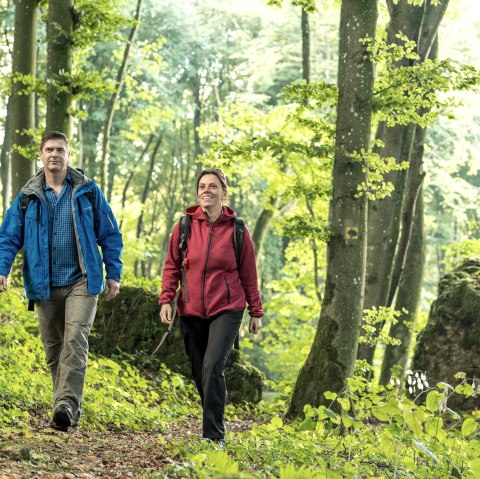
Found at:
<point>214,283</point>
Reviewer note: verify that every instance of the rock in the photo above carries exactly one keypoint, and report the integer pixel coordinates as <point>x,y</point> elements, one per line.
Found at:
<point>450,343</point>
<point>131,325</point>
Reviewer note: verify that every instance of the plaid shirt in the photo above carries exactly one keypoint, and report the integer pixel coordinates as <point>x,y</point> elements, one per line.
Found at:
<point>62,244</point>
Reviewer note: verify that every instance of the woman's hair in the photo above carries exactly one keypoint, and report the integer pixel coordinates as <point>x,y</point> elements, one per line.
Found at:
<point>218,173</point>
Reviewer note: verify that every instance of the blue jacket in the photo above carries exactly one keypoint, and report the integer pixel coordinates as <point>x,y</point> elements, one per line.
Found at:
<point>30,230</point>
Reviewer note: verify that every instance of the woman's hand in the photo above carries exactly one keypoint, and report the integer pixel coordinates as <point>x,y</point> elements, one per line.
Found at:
<point>166,314</point>
<point>255,325</point>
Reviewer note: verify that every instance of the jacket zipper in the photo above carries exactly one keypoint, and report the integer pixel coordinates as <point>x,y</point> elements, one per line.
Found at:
<point>210,236</point>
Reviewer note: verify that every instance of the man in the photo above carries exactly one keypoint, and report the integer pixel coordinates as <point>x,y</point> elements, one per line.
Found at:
<point>60,217</point>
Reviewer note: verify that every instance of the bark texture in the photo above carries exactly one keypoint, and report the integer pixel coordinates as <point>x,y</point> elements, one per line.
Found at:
<point>59,65</point>
<point>306,46</point>
<point>408,297</point>
<point>22,101</point>
<point>384,216</point>
<point>332,357</point>
<point>5,165</point>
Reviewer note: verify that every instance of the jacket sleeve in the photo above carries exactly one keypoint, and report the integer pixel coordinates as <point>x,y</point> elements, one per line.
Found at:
<point>248,276</point>
<point>11,236</point>
<point>172,269</point>
<point>109,237</point>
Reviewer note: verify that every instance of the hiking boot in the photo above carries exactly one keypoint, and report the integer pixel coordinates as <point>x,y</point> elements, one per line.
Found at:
<point>62,418</point>
<point>219,442</point>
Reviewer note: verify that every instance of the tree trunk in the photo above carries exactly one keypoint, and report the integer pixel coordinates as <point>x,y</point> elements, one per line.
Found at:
<point>130,177</point>
<point>23,103</point>
<point>332,357</point>
<point>59,65</point>
<point>197,120</point>
<point>104,162</point>
<point>91,128</point>
<point>143,200</point>
<point>5,166</point>
<point>414,183</point>
<point>408,297</point>
<point>384,216</point>
<point>305,46</point>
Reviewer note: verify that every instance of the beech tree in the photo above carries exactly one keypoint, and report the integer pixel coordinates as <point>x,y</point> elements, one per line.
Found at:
<point>332,357</point>
<point>59,65</point>
<point>22,102</point>
<point>418,23</point>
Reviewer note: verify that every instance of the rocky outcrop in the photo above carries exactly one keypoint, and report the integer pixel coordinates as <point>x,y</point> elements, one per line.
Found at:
<point>131,325</point>
<point>450,343</point>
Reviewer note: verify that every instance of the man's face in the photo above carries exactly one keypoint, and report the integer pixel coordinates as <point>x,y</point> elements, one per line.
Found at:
<point>54,156</point>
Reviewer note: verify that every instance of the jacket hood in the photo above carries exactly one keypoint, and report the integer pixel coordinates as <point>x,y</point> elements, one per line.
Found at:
<point>34,184</point>
<point>197,213</point>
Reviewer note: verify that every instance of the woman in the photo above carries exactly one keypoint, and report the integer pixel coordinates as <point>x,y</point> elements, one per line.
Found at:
<point>214,293</point>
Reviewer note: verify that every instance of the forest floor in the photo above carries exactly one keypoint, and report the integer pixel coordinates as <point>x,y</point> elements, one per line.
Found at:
<point>43,453</point>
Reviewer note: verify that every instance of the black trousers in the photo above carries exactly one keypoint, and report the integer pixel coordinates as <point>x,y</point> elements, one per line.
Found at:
<point>208,343</point>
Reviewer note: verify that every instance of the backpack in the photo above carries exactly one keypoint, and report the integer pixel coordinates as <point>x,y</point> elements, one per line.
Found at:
<point>25,200</point>
<point>239,230</point>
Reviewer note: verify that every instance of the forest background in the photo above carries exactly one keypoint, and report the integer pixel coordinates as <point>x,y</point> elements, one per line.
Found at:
<point>151,92</point>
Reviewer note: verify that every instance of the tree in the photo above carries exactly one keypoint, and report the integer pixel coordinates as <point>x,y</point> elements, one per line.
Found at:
<point>59,65</point>
<point>104,176</point>
<point>22,94</point>
<point>332,357</point>
<point>418,23</point>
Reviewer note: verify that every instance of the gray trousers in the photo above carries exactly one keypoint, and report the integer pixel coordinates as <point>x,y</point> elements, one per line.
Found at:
<point>65,323</point>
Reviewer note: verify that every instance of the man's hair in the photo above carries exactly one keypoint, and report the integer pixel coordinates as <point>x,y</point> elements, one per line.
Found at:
<point>218,173</point>
<point>53,135</point>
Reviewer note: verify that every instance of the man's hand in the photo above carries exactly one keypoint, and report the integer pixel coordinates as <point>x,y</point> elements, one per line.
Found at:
<point>111,289</point>
<point>255,325</point>
<point>166,314</point>
<point>3,283</point>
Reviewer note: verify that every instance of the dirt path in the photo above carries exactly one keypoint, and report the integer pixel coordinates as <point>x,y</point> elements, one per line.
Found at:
<point>43,453</point>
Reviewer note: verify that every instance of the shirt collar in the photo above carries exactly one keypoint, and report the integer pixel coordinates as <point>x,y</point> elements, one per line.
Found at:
<point>47,187</point>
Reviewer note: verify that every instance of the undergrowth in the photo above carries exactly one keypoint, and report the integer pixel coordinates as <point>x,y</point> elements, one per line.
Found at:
<point>367,431</point>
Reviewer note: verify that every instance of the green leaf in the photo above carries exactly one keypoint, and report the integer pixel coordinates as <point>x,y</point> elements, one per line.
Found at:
<point>469,426</point>
<point>380,413</point>
<point>330,396</point>
<point>276,422</point>
<point>415,419</point>
<point>433,400</point>
<point>344,403</point>
<point>475,467</point>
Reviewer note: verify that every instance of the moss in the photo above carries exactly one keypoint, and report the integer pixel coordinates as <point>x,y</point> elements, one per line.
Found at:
<point>131,325</point>
<point>450,342</point>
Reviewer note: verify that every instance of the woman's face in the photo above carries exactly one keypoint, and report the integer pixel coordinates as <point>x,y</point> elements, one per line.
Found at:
<point>210,192</point>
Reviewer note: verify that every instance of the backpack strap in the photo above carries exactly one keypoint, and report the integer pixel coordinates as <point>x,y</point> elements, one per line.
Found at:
<point>91,195</point>
<point>238,234</point>
<point>182,246</point>
<point>25,201</point>
<point>184,235</point>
